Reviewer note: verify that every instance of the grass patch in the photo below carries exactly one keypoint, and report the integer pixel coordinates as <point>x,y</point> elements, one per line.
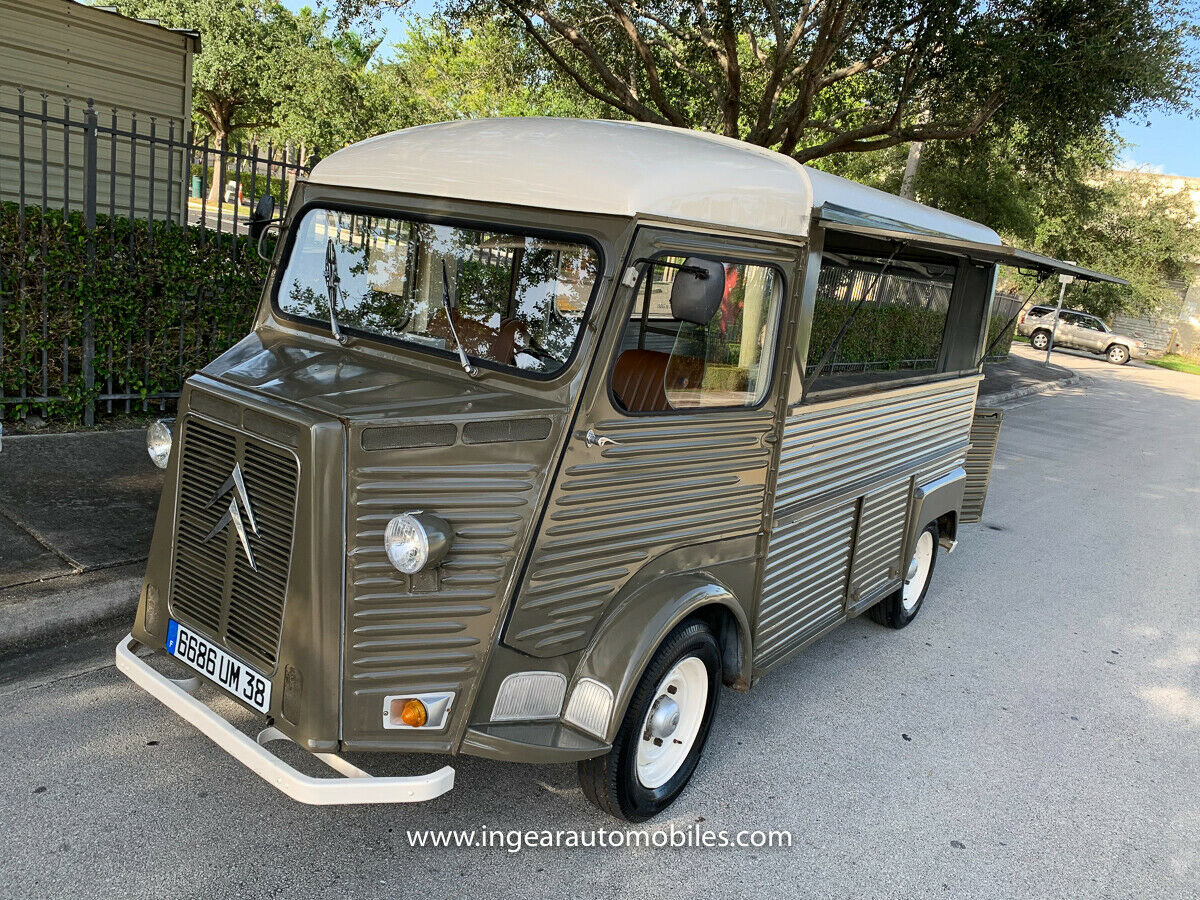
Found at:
<point>1177,363</point>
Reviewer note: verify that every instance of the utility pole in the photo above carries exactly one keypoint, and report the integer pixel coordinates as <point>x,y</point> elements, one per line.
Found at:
<point>1063,280</point>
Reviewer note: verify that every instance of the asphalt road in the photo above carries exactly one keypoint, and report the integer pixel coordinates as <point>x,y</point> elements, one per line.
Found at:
<point>1036,732</point>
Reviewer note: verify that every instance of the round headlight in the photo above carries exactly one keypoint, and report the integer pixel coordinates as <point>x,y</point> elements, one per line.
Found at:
<point>158,442</point>
<point>416,541</point>
<point>407,543</point>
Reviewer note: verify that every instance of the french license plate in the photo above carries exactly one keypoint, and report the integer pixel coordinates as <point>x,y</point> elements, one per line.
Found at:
<point>212,662</point>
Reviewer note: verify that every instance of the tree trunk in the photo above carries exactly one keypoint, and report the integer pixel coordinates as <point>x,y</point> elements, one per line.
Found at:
<point>216,190</point>
<point>908,187</point>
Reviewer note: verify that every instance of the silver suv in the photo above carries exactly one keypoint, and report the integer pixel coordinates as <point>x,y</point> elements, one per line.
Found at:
<point>1079,331</point>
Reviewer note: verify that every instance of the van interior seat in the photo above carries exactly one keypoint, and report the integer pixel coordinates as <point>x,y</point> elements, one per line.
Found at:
<point>639,378</point>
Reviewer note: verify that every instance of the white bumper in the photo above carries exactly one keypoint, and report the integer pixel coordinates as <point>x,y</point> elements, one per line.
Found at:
<point>356,786</point>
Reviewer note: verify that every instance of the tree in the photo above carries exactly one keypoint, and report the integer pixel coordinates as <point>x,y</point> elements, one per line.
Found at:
<point>483,69</point>
<point>264,70</point>
<point>815,77</point>
<point>1069,205</point>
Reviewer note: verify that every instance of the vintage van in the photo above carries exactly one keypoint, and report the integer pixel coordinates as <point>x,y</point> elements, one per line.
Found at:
<point>547,429</point>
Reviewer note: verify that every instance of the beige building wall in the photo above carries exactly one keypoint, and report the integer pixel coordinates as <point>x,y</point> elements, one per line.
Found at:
<point>136,72</point>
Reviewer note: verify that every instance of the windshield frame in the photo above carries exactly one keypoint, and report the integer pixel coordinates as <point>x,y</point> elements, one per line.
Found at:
<point>479,223</point>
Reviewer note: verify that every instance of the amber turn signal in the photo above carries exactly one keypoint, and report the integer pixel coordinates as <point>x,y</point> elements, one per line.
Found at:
<point>411,712</point>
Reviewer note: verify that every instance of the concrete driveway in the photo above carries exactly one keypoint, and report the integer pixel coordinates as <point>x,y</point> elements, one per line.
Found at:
<point>1036,732</point>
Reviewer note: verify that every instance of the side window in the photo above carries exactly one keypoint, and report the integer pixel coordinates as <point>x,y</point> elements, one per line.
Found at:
<point>891,318</point>
<point>674,357</point>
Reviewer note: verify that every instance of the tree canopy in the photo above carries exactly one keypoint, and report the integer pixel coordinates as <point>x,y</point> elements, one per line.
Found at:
<point>815,77</point>
<point>266,71</point>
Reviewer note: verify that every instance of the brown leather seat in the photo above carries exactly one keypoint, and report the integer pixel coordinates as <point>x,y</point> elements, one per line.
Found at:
<point>639,378</point>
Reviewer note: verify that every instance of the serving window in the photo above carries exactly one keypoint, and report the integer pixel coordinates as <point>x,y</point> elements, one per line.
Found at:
<point>878,317</point>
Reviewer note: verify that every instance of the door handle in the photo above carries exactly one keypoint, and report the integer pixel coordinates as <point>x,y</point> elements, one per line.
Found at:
<point>597,440</point>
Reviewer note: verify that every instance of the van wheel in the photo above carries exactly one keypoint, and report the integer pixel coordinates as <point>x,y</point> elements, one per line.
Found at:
<point>666,725</point>
<point>900,608</point>
<point>1040,339</point>
<point>1118,355</point>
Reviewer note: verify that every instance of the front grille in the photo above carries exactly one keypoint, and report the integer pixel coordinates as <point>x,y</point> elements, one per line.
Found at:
<point>213,585</point>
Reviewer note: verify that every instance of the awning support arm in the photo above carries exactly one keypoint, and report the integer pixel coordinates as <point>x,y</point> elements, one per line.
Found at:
<point>1042,276</point>
<point>837,338</point>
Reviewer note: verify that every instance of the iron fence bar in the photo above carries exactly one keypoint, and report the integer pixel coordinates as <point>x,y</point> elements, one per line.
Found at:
<point>132,233</point>
<point>66,138</point>
<point>22,284</point>
<point>43,351</point>
<point>237,194</point>
<point>170,169</point>
<point>112,176</point>
<point>66,156</point>
<point>204,189</point>
<point>219,178</point>
<point>89,224</point>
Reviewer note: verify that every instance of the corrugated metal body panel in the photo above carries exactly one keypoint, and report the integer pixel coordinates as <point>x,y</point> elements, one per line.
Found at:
<point>829,449</point>
<point>670,482</point>
<point>804,585</point>
<point>431,631</point>
<point>880,539</point>
<point>854,459</point>
<point>985,435</point>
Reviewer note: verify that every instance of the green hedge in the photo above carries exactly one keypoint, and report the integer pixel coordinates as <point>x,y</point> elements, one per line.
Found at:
<point>883,338</point>
<point>165,299</point>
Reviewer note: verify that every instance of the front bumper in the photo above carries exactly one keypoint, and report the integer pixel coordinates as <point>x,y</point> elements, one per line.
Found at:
<point>356,786</point>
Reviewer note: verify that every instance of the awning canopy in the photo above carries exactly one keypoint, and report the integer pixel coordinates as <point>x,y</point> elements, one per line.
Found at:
<point>848,221</point>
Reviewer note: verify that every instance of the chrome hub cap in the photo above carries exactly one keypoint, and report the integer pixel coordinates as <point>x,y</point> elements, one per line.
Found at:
<point>672,722</point>
<point>664,717</point>
<point>918,571</point>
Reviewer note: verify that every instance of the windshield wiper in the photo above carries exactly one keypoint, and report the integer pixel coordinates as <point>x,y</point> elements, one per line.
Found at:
<point>333,285</point>
<point>462,355</point>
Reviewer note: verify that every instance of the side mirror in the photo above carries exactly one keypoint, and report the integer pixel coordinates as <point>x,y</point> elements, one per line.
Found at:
<point>262,215</point>
<point>697,291</point>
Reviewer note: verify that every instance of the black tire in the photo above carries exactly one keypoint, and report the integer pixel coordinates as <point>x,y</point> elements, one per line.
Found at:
<point>1120,352</point>
<point>1040,339</point>
<point>890,611</point>
<point>611,781</point>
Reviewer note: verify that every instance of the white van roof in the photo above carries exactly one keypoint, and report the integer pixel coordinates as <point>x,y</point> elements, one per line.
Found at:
<point>620,168</point>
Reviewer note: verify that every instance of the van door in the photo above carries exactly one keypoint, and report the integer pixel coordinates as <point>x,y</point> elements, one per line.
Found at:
<point>985,435</point>
<point>667,466</point>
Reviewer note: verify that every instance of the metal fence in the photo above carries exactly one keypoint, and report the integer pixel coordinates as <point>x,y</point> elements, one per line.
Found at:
<point>1004,313</point>
<point>74,171</point>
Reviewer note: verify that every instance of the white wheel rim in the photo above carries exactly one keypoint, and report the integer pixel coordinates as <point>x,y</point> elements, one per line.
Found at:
<point>922,562</point>
<point>672,722</point>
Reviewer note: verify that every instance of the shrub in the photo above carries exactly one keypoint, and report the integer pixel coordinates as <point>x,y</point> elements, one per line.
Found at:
<point>164,299</point>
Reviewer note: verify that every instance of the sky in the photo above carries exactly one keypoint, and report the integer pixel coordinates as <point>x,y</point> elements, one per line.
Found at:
<point>1161,141</point>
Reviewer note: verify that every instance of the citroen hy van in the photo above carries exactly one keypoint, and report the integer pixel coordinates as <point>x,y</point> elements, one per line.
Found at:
<point>545,431</point>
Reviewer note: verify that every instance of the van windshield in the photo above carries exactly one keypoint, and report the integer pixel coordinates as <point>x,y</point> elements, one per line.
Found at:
<point>517,301</point>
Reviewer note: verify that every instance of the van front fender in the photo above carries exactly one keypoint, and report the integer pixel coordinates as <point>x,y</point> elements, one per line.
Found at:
<point>626,640</point>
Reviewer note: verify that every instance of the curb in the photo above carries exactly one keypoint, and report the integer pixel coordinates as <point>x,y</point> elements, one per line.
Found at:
<point>1028,391</point>
<point>46,613</point>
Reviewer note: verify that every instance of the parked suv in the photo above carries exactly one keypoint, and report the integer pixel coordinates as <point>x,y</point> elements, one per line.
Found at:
<point>1079,331</point>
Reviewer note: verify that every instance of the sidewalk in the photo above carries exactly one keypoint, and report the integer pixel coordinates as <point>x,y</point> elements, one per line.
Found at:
<point>1022,374</point>
<point>76,515</point>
